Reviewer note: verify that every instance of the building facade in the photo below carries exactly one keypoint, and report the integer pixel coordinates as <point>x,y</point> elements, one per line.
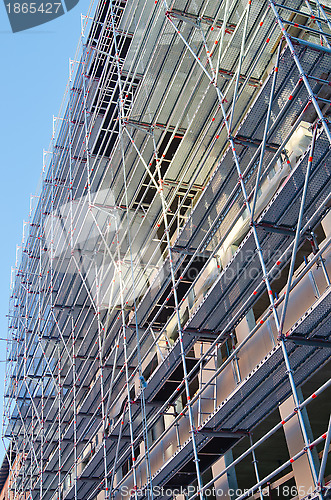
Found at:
<point>170,312</point>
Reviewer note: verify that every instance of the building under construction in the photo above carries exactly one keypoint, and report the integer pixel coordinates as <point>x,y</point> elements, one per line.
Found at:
<point>170,316</point>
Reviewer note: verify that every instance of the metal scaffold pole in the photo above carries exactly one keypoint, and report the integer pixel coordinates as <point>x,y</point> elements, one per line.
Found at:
<point>140,372</point>
<point>180,331</point>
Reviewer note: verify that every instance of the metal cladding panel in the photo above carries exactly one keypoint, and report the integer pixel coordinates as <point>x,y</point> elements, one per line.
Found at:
<point>196,145</point>
<point>165,369</point>
<point>198,95</point>
<point>277,212</point>
<point>178,459</point>
<point>304,362</point>
<point>225,211</point>
<point>245,257</point>
<point>319,179</point>
<point>265,388</point>
<point>236,283</point>
<point>211,202</point>
<point>316,321</point>
<point>207,9</point>
<point>261,398</point>
<point>162,70</point>
<point>186,5</point>
<point>253,124</point>
<point>159,284</point>
<point>232,409</point>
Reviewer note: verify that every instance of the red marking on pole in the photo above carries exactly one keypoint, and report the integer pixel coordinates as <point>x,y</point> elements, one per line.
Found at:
<point>216,42</point>
<point>310,158</point>
<point>267,40</point>
<point>261,321</point>
<point>324,436</point>
<point>217,136</point>
<point>290,98</point>
<point>261,23</point>
<point>283,422</point>
<point>291,460</point>
<point>314,396</point>
<point>278,262</point>
<point>276,69</point>
<point>255,292</point>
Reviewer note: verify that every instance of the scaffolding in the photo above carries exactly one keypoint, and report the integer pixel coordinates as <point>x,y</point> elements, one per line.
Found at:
<point>170,304</point>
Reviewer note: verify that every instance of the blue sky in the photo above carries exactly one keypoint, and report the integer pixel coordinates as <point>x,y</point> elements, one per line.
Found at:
<point>34,73</point>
